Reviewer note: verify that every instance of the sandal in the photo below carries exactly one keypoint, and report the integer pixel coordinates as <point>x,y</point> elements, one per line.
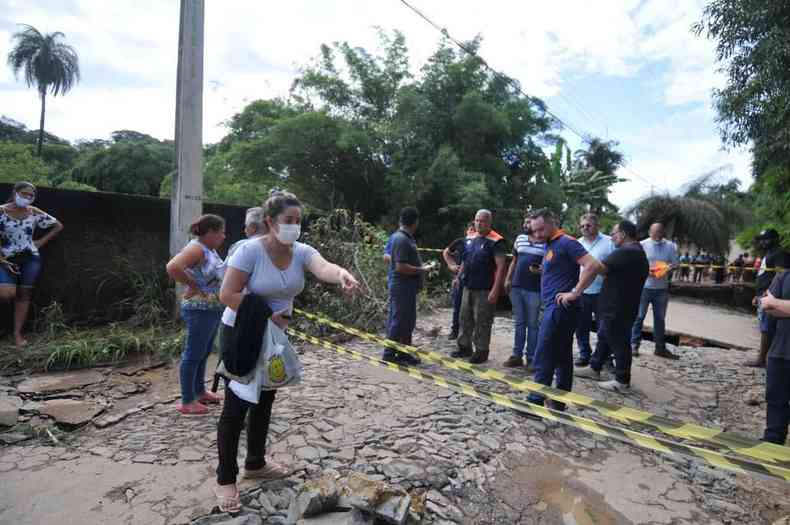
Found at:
<point>229,504</point>
<point>210,398</point>
<point>192,409</point>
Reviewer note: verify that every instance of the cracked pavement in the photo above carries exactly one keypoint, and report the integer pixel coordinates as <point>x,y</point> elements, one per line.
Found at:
<point>466,460</point>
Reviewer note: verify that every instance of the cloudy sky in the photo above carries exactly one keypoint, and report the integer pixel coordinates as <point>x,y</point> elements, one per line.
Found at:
<point>626,70</point>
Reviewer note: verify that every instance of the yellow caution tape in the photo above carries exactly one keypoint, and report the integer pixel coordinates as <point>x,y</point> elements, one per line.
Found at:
<point>661,445</point>
<point>736,443</point>
<point>682,265</point>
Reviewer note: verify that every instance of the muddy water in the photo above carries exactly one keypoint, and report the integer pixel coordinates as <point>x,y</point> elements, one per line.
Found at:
<point>551,486</point>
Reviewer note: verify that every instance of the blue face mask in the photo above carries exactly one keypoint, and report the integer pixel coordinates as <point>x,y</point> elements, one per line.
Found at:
<point>22,202</point>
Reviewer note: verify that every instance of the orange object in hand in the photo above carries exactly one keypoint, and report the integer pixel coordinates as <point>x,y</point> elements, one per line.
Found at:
<point>659,269</point>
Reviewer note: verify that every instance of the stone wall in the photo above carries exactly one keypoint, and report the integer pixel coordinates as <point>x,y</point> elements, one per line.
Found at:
<point>107,236</point>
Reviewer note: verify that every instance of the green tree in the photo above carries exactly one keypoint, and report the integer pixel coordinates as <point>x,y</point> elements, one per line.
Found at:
<point>17,162</point>
<point>48,64</point>
<point>753,108</point>
<point>133,163</point>
<point>706,213</point>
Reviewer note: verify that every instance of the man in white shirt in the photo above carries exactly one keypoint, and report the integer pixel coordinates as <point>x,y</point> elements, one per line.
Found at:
<point>599,246</point>
<point>663,258</point>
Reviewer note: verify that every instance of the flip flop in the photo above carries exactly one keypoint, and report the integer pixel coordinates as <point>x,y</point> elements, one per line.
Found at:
<point>227,504</point>
<point>195,410</point>
<point>210,398</point>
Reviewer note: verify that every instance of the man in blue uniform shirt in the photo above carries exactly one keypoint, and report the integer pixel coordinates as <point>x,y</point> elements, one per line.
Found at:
<point>562,286</point>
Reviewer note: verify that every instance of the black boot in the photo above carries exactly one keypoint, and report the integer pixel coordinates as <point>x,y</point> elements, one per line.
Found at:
<point>461,352</point>
<point>478,357</point>
<point>765,344</point>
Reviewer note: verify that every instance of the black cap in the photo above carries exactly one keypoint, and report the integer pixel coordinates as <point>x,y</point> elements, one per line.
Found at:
<point>767,235</point>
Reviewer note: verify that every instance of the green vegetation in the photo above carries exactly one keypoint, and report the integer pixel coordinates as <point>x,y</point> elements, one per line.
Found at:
<point>360,132</point>
<point>754,107</point>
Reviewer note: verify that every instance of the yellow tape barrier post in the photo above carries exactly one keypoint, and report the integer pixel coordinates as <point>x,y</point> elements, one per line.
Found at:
<point>736,443</point>
<point>664,446</point>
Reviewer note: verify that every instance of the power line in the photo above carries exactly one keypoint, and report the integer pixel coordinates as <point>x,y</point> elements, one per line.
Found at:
<point>514,83</point>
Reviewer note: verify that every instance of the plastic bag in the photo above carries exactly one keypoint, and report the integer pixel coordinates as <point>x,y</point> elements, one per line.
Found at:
<point>281,366</point>
<point>278,366</point>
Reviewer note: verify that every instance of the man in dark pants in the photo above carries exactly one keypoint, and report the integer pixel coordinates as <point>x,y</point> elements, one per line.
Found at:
<point>626,270</point>
<point>776,303</point>
<point>561,288</point>
<point>484,275</point>
<point>773,256</point>
<point>453,256</point>
<point>407,277</point>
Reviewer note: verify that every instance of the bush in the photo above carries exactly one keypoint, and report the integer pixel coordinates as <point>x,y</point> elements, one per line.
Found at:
<point>347,240</point>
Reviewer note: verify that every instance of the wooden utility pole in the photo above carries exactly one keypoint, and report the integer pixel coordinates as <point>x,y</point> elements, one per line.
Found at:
<point>186,203</point>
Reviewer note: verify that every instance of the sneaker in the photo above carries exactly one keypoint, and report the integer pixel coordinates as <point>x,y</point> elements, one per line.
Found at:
<point>270,470</point>
<point>453,335</point>
<point>665,354</point>
<point>513,362</point>
<point>588,372</point>
<point>614,385</point>
<point>461,353</point>
<point>635,351</point>
<point>478,358</point>
<point>390,357</point>
<point>555,405</point>
<point>582,361</point>
<point>410,360</point>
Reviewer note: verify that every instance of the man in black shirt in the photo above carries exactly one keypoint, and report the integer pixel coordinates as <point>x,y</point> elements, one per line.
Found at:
<point>625,272</point>
<point>776,302</point>
<point>774,256</point>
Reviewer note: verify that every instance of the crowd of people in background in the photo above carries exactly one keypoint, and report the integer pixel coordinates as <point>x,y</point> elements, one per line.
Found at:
<point>560,286</point>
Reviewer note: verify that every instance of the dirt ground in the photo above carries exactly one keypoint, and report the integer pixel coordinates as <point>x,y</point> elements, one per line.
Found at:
<point>140,462</point>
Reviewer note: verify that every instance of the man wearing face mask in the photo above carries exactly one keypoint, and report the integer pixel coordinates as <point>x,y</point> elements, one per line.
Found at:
<point>407,278</point>
<point>20,262</point>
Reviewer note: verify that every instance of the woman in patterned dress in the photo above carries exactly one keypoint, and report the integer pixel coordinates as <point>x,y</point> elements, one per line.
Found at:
<point>20,262</point>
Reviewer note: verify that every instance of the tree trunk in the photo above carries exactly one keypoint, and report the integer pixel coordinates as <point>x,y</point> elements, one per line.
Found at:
<point>41,123</point>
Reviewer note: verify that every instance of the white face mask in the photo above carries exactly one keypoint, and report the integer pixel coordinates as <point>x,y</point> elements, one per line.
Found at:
<point>288,233</point>
<point>22,202</point>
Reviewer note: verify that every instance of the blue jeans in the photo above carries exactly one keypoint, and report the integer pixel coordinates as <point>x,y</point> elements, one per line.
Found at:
<point>526,310</point>
<point>555,349</point>
<point>589,310</point>
<point>29,270</point>
<point>659,300</point>
<point>201,328</point>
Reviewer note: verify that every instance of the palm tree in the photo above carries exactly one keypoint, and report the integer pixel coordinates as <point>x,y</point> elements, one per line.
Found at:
<point>48,64</point>
<point>706,213</point>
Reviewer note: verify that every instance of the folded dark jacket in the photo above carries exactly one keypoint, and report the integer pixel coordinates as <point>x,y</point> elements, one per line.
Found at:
<point>241,343</point>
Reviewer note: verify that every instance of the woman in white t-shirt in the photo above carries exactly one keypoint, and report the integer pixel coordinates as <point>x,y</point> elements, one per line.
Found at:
<point>272,266</point>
